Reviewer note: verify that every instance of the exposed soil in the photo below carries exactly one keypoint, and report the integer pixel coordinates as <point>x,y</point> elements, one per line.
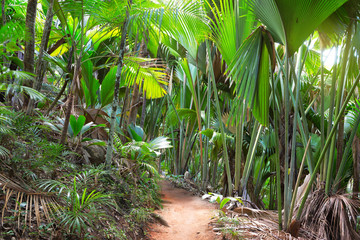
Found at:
<point>188,216</point>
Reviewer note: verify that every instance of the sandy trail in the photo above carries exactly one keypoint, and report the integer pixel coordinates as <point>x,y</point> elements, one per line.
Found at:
<point>187,215</point>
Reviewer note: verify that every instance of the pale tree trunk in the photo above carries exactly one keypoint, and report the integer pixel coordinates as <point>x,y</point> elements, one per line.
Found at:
<point>115,103</point>
<point>41,64</point>
<point>29,53</point>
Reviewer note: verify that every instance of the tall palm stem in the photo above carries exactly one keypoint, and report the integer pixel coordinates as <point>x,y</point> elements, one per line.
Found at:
<point>238,148</point>
<point>29,52</point>
<point>339,97</point>
<point>324,150</point>
<point>225,150</point>
<point>41,64</point>
<point>115,103</point>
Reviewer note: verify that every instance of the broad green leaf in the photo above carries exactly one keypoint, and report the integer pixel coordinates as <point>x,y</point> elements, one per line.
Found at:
<point>77,124</point>
<point>208,132</point>
<point>262,90</point>
<point>183,113</point>
<point>136,133</point>
<point>59,13</point>
<point>107,87</point>
<point>91,83</point>
<point>223,202</point>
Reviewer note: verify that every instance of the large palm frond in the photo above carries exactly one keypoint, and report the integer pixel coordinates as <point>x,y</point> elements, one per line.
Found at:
<point>231,24</point>
<point>183,21</point>
<point>292,21</point>
<point>148,74</point>
<point>250,70</point>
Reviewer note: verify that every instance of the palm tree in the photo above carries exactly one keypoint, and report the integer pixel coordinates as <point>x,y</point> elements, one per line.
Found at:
<point>29,53</point>
<point>117,84</point>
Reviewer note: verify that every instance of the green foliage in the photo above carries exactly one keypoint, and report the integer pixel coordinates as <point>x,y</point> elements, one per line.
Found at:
<point>81,207</point>
<point>76,124</point>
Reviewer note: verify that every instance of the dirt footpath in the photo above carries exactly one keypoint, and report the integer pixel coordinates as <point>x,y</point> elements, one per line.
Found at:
<point>188,216</point>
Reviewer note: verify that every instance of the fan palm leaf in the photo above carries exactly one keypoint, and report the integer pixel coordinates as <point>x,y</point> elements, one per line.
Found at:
<point>232,22</point>
<point>291,22</point>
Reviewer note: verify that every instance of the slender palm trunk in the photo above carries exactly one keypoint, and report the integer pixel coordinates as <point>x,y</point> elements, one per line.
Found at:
<point>115,103</point>
<point>134,104</point>
<point>67,119</point>
<point>41,64</point>
<point>356,165</point>
<point>70,100</point>
<point>340,142</point>
<point>57,98</point>
<point>143,111</point>
<point>3,21</point>
<point>29,58</point>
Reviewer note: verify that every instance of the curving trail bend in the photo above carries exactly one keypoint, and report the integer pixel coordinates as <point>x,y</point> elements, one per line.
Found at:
<point>188,216</point>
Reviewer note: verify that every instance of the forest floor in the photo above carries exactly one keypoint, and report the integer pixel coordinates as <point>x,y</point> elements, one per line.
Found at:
<point>188,216</point>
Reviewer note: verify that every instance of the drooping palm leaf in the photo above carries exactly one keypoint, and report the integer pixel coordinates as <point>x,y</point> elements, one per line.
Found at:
<point>147,74</point>
<point>183,113</point>
<point>250,71</point>
<point>231,24</point>
<point>183,21</point>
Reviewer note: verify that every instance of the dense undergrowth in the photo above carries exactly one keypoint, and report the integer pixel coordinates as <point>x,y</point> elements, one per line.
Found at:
<point>49,193</point>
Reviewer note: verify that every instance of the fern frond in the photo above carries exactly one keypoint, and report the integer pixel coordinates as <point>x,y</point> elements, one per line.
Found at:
<point>4,153</point>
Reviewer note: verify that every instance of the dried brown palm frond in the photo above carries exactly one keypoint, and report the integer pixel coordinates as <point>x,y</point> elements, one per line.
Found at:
<point>332,217</point>
<point>256,226</point>
<point>229,122</point>
<point>40,203</point>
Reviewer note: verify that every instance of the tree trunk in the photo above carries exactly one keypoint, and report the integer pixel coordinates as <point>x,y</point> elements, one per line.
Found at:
<point>143,111</point>
<point>134,105</point>
<point>67,119</point>
<point>340,143</point>
<point>57,98</point>
<point>68,67</point>
<point>29,58</point>
<point>3,22</point>
<point>42,65</point>
<point>70,101</point>
<point>356,164</point>
<point>115,102</point>
<point>124,108</point>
